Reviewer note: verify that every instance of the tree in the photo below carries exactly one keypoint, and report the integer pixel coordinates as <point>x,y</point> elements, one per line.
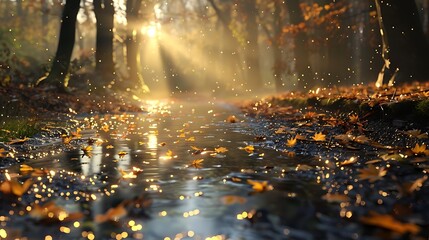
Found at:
<point>57,76</point>
<point>132,42</point>
<point>301,54</point>
<point>104,65</point>
<point>251,45</point>
<point>405,49</point>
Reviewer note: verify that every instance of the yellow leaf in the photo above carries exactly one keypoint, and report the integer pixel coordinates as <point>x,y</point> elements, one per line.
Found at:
<point>122,154</point>
<point>127,175</point>
<point>291,142</point>
<point>371,173</point>
<point>319,137</point>
<point>190,139</point>
<point>259,186</point>
<point>197,163</point>
<point>249,149</point>
<point>87,151</point>
<point>390,223</point>
<point>169,153</point>
<point>221,150</point>
<point>105,127</point>
<point>66,139</point>
<point>109,147</point>
<point>76,134</point>
<point>348,161</point>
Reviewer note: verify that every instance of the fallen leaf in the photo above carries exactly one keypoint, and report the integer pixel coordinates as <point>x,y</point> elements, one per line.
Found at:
<point>221,150</point>
<point>3,153</point>
<point>420,149</point>
<point>18,141</point>
<point>197,163</point>
<point>13,187</point>
<point>87,151</point>
<point>371,173</point>
<point>354,118</point>
<point>388,222</point>
<point>232,119</point>
<point>66,139</point>
<point>249,149</point>
<point>319,137</point>
<point>291,142</point>
<point>260,186</point>
<point>231,199</point>
<point>335,197</point>
<point>113,214</point>
<point>350,161</point>
<point>122,154</point>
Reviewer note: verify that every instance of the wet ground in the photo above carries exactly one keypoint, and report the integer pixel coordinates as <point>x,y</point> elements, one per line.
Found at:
<point>198,170</point>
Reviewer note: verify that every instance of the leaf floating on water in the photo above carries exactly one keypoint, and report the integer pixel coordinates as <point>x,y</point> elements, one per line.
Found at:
<point>76,134</point>
<point>221,150</point>
<point>319,137</point>
<point>3,153</point>
<point>13,187</point>
<point>420,149</point>
<point>162,144</point>
<point>388,222</point>
<point>231,199</point>
<point>232,119</point>
<point>113,214</point>
<point>335,197</point>
<point>197,163</point>
<point>109,147</point>
<point>417,134</point>
<point>105,127</point>
<point>371,173</point>
<point>249,149</point>
<point>190,139</point>
<point>122,154</point>
<point>35,172</point>
<point>408,188</point>
<point>87,151</point>
<point>350,161</point>
<point>260,186</point>
<point>66,139</point>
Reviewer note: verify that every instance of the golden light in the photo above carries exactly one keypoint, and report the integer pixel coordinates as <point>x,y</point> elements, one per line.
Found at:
<point>151,30</point>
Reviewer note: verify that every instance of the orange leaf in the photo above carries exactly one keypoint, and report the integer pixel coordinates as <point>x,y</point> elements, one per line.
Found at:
<point>291,142</point>
<point>231,199</point>
<point>113,214</point>
<point>13,187</point>
<point>371,173</point>
<point>390,223</point>
<point>319,137</point>
<point>260,186</point>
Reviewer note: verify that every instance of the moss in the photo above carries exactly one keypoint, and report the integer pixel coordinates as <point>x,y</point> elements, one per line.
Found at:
<point>422,108</point>
<point>17,128</point>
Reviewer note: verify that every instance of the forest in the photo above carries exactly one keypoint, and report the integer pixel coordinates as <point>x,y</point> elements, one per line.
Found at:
<point>221,119</point>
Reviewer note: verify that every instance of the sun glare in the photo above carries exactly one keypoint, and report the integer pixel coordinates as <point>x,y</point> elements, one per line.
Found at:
<point>151,30</point>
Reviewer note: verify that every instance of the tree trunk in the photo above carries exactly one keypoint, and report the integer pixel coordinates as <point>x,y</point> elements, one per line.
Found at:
<point>61,63</point>
<point>301,54</point>
<point>253,69</point>
<point>104,65</point>
<point>405,49</point>
<point>132,43</point>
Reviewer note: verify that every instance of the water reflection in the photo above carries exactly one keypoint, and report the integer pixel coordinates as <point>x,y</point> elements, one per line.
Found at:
<point>163,143</point>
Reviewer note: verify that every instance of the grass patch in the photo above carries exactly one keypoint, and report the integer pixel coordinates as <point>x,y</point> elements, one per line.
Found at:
<point>17,128</point>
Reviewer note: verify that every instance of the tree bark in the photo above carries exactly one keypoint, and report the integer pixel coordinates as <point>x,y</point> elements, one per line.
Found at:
<point>132,43</point>
<point>301,54</point>
<point>104,65</point>
<point>61,63</point>
<point>253,69</point>
<point>405,49</point>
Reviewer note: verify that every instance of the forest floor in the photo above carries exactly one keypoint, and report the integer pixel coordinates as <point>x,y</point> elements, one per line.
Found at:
<point>361,149</point>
